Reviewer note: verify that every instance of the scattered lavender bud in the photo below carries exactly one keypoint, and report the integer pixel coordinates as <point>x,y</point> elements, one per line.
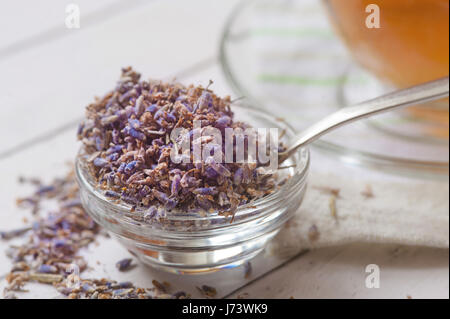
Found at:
<point>150,214</point>
<point>124,264</point>
<point>47,269</point>
<point>54,241</point>
<point>100,162</point>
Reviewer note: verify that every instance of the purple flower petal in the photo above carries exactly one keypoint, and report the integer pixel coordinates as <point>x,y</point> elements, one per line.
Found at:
<point>100,162</point>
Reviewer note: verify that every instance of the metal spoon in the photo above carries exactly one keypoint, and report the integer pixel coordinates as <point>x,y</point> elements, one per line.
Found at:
<point>426,92</point>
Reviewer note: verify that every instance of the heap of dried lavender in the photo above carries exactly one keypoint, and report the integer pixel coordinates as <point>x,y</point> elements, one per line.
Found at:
<point>50,254</point>
<point>126,138</point>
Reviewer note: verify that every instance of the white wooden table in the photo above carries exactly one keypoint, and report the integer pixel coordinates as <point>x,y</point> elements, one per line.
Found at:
<point>49,73</point>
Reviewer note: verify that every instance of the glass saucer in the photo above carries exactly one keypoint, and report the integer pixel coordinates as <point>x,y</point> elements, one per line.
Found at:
<point>283,56</point>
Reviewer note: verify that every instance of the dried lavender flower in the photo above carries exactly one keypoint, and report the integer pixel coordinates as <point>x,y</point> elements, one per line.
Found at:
<point>248,269</point>
<point>126,138</point>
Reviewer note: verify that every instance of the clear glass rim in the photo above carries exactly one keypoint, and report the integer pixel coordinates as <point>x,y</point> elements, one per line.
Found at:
<point>403,166</point>
<point>245,213</point>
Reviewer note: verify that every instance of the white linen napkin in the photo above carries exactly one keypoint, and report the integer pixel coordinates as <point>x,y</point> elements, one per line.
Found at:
<point>341,209</point>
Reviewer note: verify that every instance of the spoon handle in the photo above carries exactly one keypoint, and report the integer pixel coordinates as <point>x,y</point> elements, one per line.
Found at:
<point>414,95</point>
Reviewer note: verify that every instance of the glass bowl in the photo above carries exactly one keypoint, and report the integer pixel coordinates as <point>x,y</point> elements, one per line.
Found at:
<point>191,243</point>
<point>285,56</point>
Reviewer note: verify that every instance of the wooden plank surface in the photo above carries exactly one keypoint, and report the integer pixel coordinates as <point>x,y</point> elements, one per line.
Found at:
<point>28,23</point>
<point>340,272</point>
<point>47,86</point>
